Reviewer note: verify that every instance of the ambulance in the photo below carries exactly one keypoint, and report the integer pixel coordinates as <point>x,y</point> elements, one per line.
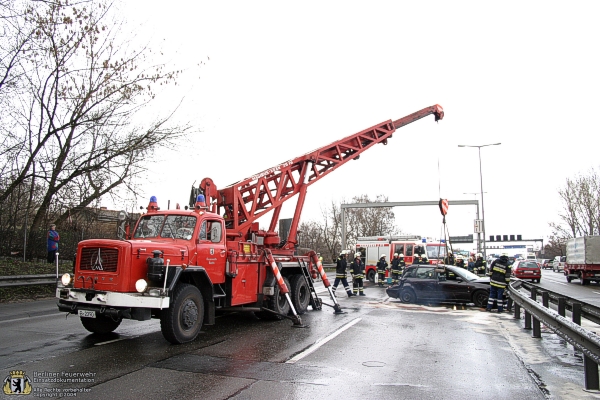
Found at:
<point>371,249</point>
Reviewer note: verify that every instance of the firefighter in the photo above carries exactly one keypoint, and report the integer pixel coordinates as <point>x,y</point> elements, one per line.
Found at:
<point>397,265</point>
<point>460,262</point>
<point>357,269</point>
<point>449,260</point>
<point>417,259</point>
<point>340,274</point>
<point>382,266</point>
<point>480,265</point>
<point>499,279</point>
<point>424,259</point>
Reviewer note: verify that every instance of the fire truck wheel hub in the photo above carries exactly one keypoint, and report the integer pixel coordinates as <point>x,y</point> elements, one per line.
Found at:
<point>189,315</point>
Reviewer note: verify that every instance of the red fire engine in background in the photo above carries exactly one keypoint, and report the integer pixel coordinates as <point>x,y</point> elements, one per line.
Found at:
<point>371,249</point>
<point>181,266</point>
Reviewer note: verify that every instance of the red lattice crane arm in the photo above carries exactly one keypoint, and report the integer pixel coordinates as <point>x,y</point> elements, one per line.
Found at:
<point>246,201</point>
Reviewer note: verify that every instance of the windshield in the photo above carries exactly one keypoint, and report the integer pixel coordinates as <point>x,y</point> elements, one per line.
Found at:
<point>463,273</point>
<point>436,252</point>
<point>173,226</point>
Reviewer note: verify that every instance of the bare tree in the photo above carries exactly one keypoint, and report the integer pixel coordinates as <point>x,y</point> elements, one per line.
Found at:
<point>580,215</point>
<point>76,86</point>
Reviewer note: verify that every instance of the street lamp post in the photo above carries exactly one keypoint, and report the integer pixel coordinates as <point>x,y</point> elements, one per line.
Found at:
<point>478,233</point>
<point>481,185</point>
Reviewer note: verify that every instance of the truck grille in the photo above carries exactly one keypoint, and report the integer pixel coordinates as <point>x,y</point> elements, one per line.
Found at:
<point>99,259</point>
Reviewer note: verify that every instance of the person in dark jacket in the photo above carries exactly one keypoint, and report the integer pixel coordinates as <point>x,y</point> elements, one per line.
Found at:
<point>499,279</point>
<point>340,274</point>
<point>480,265</point>
<point>357,269</point>
<point>398,265</point>
<point>382,266</point>
<point>417,259</point>
<point>449,259</point>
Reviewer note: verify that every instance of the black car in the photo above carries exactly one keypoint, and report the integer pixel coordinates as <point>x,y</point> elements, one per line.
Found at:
<point>441,284</point>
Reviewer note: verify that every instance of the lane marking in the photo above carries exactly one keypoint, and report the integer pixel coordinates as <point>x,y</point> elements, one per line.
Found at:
<point>114,340</point>
<point>321,342</point>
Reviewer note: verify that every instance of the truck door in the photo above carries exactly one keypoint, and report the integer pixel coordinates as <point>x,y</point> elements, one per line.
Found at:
<point>210,249</point>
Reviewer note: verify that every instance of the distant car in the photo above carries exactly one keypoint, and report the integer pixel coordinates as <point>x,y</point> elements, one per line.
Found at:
<point>527,269</point>
<point>545,263</point>
<point>559,263</point>
<point>441,283</point>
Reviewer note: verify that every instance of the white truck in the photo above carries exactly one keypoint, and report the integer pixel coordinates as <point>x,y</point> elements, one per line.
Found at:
<point>583,259</point>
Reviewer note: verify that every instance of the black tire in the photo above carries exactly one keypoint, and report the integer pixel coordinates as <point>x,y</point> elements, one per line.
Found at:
<point>582,281</point>
<point>300,293</point>
<point>569,279</point>
<point>480,298</point>
<point>407,296</point>
<point>100,325</point>
<point>371,275</point>
<point>277,303</point>
<point>182,321</point>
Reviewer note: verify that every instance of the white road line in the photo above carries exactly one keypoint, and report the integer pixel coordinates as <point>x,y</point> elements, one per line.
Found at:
<point>112,341</point>
<point>321,342</point>
<point>595,292</point>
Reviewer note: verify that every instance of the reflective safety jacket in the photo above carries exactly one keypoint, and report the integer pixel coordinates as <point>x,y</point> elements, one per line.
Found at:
<point>499,274</point>
<point>357,268</point>
<point>480,264</point>
<point>382,265</point>
<point>340,267</point>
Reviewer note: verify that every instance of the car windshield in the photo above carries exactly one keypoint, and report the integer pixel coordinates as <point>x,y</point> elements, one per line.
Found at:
<point>463,273</point>
<point>173,226</point>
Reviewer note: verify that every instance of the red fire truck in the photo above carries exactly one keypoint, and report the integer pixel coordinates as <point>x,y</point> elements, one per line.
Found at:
<point>372,248</point>
<point>182,266</point>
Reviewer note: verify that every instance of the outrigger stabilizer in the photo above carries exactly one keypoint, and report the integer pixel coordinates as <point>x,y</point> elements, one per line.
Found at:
<point>336,307</point>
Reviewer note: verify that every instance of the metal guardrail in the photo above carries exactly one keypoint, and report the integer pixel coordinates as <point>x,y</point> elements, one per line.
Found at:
<point>27,280</point>
<point>535,314</point>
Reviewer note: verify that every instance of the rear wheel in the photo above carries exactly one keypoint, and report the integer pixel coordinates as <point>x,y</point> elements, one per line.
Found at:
<point>278,303</point>
<point>182,321</point>
<point>480,298</point>
<point>569,279</point>
<point>300,293</point>
<point>371,275</point>
<point>407,296</point>
<point>582,281</point>
<point>101,324</point>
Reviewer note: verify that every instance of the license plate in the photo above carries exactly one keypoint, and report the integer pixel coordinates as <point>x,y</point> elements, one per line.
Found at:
<point>528,272</point>
<point>87,314</point>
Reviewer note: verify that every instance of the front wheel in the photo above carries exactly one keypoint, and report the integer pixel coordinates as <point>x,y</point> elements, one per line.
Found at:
<point>100,325</point>
<point>182,321</point>
<point>407,296</point>
<point>480,298</point>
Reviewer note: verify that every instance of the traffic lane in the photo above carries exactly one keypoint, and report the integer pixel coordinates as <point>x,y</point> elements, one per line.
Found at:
<point>32,331</point>
<point>557,282</point>
<point>434,356</point>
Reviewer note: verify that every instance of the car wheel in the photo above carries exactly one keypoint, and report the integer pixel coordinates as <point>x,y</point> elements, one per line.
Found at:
<point>407,296</point>
<point>480,298</point>
<point>569,279</point>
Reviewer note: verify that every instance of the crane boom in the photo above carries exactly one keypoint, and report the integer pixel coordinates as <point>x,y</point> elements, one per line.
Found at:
<point>249,199</point>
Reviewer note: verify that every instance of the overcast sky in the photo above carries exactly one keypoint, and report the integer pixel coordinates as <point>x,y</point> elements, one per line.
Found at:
<point>278,79</point>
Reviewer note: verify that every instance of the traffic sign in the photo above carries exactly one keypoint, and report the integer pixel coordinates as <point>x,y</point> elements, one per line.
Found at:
<point>478,226</point>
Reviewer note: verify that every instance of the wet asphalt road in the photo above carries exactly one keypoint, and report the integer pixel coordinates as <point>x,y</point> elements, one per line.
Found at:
<point>380,349</point>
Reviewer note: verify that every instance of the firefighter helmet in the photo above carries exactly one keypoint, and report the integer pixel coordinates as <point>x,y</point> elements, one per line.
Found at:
<point>401,255</point>
<point>383,256</point>
<point>479,255</point>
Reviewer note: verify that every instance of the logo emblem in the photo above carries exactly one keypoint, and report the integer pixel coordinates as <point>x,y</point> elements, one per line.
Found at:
<point>97,261</point>
<point>212,251</point>
<point>17,383</point>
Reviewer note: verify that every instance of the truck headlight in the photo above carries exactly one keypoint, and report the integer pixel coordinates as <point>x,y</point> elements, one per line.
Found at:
<point>141,285</point>
<point>66,279</point>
